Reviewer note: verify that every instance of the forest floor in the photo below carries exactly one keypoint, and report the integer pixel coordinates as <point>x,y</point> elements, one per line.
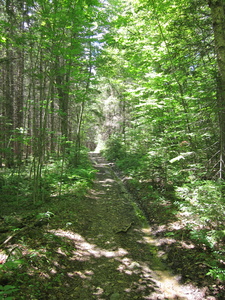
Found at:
<point>102,246</point>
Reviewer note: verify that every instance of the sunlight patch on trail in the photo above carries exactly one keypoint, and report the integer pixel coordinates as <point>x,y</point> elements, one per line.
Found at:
<point>87,274</point>
<point>154,282</point>
<point>159,281</point>
<point>84,249</point>
<point>107,182</point>
<point>169,284</point>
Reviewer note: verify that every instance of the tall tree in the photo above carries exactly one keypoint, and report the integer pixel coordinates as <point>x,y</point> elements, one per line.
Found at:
<point>218,20</point>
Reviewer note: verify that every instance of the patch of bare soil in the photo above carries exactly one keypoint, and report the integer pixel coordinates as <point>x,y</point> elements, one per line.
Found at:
<point>96,247</point>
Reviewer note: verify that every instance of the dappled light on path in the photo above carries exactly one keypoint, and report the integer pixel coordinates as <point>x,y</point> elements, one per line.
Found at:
<point>84,250</point>
<point>146,278</point>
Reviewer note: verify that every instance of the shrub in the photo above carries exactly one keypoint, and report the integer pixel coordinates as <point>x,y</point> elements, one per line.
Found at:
<point>115,149</point>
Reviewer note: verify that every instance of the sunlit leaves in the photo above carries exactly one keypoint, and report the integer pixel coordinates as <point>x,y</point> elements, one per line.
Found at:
<point>160,48</point>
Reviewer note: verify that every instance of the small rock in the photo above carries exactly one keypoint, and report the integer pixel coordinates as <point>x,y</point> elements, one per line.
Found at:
<point>133,265</point>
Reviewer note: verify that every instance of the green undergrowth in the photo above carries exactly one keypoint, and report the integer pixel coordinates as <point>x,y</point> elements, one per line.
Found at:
<point>25,245</point>
<point>201,204</point>
<point>58,177</point>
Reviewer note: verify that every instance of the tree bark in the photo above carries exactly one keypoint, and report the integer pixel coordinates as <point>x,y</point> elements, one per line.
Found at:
<point>218,21</point>
<point>18,145</point>
<point>63,95</point>
<point>8,90</point>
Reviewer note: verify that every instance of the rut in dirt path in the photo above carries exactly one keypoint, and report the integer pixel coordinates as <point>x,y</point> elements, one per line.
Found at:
<point>115,256</point>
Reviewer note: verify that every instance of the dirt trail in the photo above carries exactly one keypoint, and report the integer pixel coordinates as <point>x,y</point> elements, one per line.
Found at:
<point>116,257</point>
<point>95,247</point>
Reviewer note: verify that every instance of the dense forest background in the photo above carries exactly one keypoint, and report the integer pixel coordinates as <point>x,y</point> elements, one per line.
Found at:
<point>143,81</point>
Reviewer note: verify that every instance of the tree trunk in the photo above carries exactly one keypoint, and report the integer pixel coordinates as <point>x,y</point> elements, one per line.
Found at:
<point>218,20</point>
<point>63,94</point>
<point>8,91</point>
<point>19,108</point>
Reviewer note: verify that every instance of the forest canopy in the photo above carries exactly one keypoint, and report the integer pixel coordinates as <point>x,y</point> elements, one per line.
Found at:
<point>150,73</point>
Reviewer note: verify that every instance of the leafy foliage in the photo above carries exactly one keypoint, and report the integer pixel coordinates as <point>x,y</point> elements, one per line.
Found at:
<point>19,187</point>
<point>204,199</point>
<point>6,291</point>
<point>114,149</point>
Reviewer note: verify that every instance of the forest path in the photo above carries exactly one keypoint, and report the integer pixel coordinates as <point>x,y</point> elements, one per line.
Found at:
<point>115,255</point>
<point>98,246</point>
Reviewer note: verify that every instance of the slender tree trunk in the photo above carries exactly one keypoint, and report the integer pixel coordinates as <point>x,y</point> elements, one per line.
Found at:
<point>52,122</point>
<point>19,107</point>
<point>8,91</point>
<point>62,82</point>
<point>218,20</point>
<point>19,86</point>
<point>78,133</point>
